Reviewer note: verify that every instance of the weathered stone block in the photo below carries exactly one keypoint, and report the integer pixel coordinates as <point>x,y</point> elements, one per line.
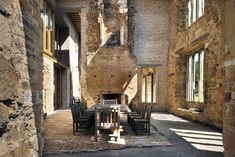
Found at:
<point>4,113</point>
<point>4,151</point>
<point>5,33</point>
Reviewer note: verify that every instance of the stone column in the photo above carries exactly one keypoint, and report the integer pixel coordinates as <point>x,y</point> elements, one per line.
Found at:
<point>229,110</point>
<point>229,80</point>
<point>83,54</point>
<point>139,85</point>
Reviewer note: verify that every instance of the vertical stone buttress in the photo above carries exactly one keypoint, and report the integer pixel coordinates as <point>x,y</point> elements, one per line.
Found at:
<point>229,80</point>
<point>20,52</point>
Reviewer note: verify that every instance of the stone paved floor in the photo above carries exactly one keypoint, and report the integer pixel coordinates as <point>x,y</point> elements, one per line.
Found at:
<point>190,140</point>
<point>59,138</point>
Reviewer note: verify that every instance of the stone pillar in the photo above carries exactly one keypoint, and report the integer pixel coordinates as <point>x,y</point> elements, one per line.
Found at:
<point>229,110</point>
<point>139,85</point>
<point>229,81</point>
<point>83,54</point>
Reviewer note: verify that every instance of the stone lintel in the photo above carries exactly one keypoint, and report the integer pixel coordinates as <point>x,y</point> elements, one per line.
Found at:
<point>148,65</point>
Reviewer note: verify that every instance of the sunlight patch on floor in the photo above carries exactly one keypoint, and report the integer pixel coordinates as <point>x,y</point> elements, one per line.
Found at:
<point>208,147</point>
<point>197,132</point>
<point>167,117</point>
<point>120,141</point>
<point>202,140</point>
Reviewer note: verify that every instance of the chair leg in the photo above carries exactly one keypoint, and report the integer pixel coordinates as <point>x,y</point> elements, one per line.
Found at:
<point>134,126</point>
<point>87,126</point>
<point>73,128</point>
<point>132,123</point>
<point>148,129</point>
<point>117,134</point>
<point>96,134</point>
<point>76,124</point>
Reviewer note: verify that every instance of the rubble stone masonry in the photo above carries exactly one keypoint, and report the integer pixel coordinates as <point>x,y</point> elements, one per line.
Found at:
<point>148,39</point>
<point>20,68</point>
<point>229,81</point>
<point>207,33</point>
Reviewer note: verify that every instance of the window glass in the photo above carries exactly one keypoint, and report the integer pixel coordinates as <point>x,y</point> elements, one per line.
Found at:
<point>195,75</point>
<point>143,89</point>
<point>48,29</point>
<point>149,88</point>
<point>154,88</point>
<point>195,10</point>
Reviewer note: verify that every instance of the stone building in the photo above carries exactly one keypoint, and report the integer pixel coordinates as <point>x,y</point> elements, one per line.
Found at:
<point>176,54</point>
<point>60,57</point>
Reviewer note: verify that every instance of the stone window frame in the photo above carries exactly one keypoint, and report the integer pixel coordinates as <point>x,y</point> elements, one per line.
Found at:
<point>195,10</point>
<point>48,18</point>
<point>190,76</point>
<point>147,77</point>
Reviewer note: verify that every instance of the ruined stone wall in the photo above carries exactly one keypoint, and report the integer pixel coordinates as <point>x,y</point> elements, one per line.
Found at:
<point>148,28</point>
<point>206,32</point>
<point>93,30</point>
<point>148,39</point>
<point>21,65</point>
<point>33,42</point>
<point>111,67</point>
<point>110,71</point>
<point>48,85</point>
<point>229,81</point>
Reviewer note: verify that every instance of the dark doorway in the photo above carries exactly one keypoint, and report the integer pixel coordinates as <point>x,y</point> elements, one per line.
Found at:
<point>57,88</point>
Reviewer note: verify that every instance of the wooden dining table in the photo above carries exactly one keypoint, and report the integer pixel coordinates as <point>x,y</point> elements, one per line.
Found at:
<point>123,107</point>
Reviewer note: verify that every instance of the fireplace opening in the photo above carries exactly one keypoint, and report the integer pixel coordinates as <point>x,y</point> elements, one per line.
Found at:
<point>121,98</point>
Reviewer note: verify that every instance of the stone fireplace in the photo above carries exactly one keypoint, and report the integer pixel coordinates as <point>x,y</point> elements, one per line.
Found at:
<point>121,98</point>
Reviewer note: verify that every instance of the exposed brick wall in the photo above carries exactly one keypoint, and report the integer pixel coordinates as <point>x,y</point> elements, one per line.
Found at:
<point>209,28</point>
<point>149,30</point>
<point>20,70</point>
<point>148,25</point>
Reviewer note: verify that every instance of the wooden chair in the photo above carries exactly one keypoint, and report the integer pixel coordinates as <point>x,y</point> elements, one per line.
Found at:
<point>110,101</point>
<point>107,118</point>
<point>140,115</point>
<point>80,120</point>
<point>143,124</point>
<point>139,110</point>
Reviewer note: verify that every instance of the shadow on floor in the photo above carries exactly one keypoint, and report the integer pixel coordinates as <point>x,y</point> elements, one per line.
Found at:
<point>190,140</point>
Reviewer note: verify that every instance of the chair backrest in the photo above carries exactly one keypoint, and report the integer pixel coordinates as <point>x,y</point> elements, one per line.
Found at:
<point>76,100</point>
<point>140,108</point>
<point>149,111</point>
<point>143,110</point>
<point>107,118</point>
<point>83,108</point>
<point>109,101</point>
<point>77,109</point>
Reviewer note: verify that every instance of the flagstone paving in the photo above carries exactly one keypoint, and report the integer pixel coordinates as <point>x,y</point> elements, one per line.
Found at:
<point>59,138</point>
<point>179,138</point>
